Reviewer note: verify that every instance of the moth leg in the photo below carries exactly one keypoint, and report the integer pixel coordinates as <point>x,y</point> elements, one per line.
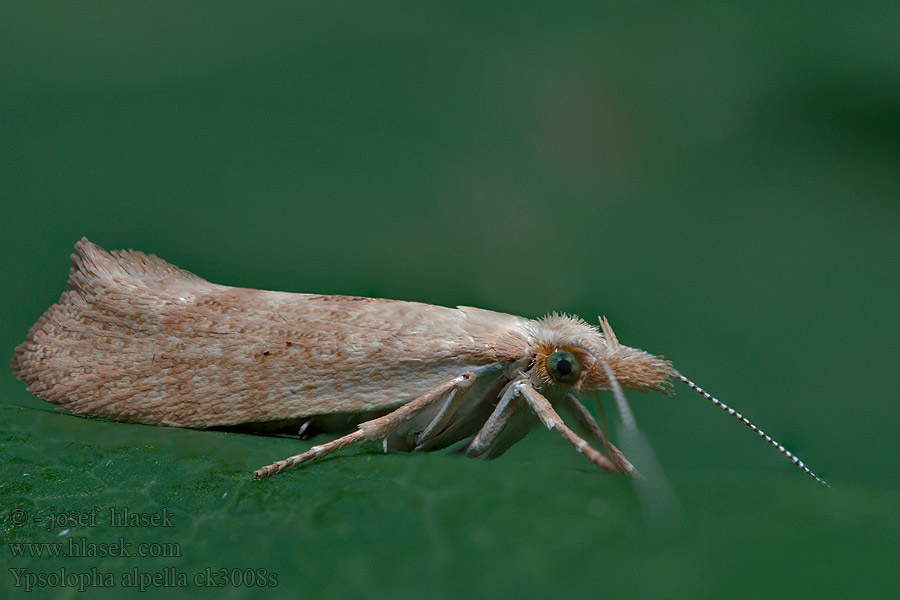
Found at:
<point>492,428</point>
<point>370,430</point>
<point>549,417</point>
<point>445,414</point>
<point>586,421</point>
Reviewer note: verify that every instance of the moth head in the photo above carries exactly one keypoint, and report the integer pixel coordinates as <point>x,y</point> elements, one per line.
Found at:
<point>568,351</point>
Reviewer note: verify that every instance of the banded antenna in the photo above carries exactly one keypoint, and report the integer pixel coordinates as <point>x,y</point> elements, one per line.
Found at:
<point>793,458</point>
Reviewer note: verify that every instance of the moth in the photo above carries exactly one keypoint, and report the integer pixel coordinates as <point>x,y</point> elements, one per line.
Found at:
<point>136,339</point>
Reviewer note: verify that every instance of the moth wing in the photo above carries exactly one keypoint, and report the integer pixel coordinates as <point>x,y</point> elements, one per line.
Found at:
<point>136,339</point>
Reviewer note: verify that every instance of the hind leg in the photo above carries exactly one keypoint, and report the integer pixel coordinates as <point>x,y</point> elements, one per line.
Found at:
<point>376,429</point>
<point>445,415</point>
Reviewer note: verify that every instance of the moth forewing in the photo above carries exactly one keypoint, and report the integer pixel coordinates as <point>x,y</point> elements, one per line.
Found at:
<point>136,339</point>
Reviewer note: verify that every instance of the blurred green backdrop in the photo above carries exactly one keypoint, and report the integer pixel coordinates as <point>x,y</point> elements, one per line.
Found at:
<point>721,181</point>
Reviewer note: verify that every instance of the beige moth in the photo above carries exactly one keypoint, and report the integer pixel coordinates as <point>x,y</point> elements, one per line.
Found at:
<point>136,339</point>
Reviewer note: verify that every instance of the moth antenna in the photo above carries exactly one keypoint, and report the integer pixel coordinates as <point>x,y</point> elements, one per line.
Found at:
<point>794,458</point>
<point>625,412</point>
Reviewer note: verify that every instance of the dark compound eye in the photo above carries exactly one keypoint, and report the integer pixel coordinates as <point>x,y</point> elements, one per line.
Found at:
<point>563,366</point>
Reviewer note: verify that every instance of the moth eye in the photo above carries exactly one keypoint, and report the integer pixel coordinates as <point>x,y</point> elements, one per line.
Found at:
<point>563,366</point>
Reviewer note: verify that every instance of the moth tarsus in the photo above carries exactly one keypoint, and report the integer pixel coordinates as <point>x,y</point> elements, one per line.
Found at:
<point>138,340</point>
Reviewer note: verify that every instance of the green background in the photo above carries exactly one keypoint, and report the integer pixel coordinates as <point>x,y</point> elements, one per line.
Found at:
<point>722,182</point>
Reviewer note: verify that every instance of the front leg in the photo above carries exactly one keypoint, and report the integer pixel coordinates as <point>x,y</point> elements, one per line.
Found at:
<point>510,403</point>
<point>549,417</point>
<point>588,424</point>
